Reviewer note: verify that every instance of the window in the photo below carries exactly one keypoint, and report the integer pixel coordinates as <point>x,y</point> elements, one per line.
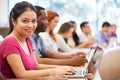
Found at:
<point>94,11</point>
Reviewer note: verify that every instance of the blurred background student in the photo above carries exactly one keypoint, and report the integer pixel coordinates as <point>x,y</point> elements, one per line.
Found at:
<point>77,40</point>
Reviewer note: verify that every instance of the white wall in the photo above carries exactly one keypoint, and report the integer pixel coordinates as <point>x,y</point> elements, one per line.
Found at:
<point>3,11</point>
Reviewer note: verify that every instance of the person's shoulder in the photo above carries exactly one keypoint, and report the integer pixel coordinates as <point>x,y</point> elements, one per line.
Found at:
<point>9,39</point>
<point>81,35</point>
<point>58,36</point>
<point>43,34</point>
<point>98,33</point>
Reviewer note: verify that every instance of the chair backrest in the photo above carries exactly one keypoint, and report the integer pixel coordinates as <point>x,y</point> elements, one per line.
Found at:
<point>109,68</point>
<point>4,31</point>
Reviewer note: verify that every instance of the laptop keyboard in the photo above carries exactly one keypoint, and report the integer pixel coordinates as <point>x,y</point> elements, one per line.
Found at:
<point>78,73</point>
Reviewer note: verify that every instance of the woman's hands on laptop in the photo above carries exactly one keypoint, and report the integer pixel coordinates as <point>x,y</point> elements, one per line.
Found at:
<point>63,70</point>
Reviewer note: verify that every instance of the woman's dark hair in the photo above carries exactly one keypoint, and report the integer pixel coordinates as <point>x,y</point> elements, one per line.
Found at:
<point>74,34</point>
<point>17,10</point>
<point>65,27</point>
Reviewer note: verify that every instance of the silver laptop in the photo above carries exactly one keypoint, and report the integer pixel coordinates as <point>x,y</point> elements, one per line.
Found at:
<point>83,72</point>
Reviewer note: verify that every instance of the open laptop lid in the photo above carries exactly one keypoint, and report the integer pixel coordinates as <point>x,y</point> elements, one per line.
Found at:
<point>81,73</point>
<point>95,52</point>
<point>98,55</point>
<point>91,53</point>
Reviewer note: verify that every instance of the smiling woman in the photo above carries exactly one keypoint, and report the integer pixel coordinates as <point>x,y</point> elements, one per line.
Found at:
<point>17,57</point>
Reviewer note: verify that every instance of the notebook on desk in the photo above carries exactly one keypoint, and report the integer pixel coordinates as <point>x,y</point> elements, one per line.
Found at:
<point>83,72</point>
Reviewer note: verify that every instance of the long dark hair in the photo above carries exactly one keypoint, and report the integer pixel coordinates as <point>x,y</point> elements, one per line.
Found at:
<point>17,10</point>
<point>74,35</point>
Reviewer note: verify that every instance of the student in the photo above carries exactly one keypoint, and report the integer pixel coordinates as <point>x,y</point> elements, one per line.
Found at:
<point>42,50</point>
<point>49,36</point>
<point>17,57</point>
<point>76,40</point>
<point>73,41</point>
<point>64,33</point>
<point>112,31</point>
<point>102,36</point>
<point>85,35</point>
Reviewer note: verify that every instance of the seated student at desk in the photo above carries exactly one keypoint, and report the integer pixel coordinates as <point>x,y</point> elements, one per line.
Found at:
<point>82,41</point>
<point>102,36</point>
<point>49,36</point>
<point>112,36</point>
<point>42,50</point>
<point>17,57</point>
<point>64,33</point>
<point>42,24</point>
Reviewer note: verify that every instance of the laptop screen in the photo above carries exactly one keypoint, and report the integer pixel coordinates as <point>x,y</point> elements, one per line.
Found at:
<point>96,58</point>
<point>81,73</point>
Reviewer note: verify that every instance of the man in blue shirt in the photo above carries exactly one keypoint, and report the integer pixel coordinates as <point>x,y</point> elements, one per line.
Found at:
<point>102,36</point>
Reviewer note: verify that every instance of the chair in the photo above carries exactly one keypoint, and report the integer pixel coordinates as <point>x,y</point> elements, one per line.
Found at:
<point>109,68</point>
<point>4,31</point>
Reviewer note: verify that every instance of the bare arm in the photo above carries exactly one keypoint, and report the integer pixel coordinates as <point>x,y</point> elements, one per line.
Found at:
<point>53,61</point>
<point>83,45</point>
<point>43,65</point>
<point>16,65</point>
<point>74,61</point>
<point>86,44</point>
<point>58,55</point>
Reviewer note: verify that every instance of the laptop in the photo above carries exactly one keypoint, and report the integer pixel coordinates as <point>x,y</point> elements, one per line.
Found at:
<point>81,73</point>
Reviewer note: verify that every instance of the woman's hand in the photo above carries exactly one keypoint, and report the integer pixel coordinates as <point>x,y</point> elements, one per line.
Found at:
<point>62,70</point>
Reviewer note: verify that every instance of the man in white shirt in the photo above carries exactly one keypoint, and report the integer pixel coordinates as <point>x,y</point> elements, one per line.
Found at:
<point>85,35</point>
